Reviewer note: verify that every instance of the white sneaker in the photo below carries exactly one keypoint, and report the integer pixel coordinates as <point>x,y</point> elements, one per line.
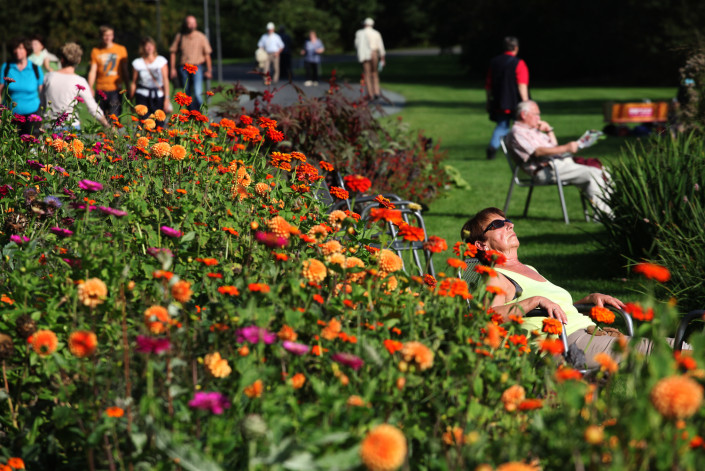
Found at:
<point>308,83</point>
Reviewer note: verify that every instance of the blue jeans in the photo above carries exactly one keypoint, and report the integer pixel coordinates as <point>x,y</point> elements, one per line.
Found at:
<point>193,85</point>
<point>501,130</point>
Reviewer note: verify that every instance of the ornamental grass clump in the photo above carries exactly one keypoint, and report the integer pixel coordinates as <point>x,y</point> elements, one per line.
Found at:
<point>202,306</point>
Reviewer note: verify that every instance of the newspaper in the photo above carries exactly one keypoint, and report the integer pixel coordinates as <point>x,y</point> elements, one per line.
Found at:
<point>590,137</point>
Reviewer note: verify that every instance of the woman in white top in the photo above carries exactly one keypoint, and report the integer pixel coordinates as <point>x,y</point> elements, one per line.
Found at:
<point>64,89</point>
<point>40,56</point>
<point>150,84</point>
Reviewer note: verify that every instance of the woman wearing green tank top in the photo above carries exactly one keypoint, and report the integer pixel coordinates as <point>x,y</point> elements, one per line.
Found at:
<point>524,289</point>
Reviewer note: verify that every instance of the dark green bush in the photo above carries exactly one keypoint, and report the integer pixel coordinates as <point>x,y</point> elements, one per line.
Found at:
<point>658,203</point>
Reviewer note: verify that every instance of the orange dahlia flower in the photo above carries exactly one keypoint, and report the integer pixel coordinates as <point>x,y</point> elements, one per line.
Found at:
<point>92,292</point>
<point>298,381</point>
<point>552,326</point>
<point>279,226</point>
<point>157,319</point>
<point>181,291</point>
<point>261,189</point>
<point>254,390</point>
<point>606,362</point>
<point>217,366</point>
<point>602,314</point>
<point>389,261</point>
<point>677,397</point>
<point>159,115</point>
<point>418,352</point>
<point>355,401</point>
<point>653,272</point>
<point>44,342</point>
<point>314,270</point>
<point>516,466</point>
<point>383,449</point>
<point>336,218</point>
<point>512,397</point>
<point>331,247</point>
<point>287,333</point>
<point>177,152</point>
<point>160,149</point>
<point>82,343</point>
<point>141,110</point>
<point>114,412</point>
<point>149,124</point>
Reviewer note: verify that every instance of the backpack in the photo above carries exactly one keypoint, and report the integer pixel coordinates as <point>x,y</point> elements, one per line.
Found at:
<point>6,70</point>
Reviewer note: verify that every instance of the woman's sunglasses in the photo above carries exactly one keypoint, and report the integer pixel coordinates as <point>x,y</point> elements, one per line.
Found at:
<point>496,224</point>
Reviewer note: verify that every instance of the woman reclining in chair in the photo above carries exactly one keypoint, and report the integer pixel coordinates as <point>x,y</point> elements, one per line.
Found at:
<point>525,289</point>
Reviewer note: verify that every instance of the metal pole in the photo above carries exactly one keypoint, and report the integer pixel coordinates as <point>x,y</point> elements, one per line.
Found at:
<point>206,28</point>
<point>217,41</point>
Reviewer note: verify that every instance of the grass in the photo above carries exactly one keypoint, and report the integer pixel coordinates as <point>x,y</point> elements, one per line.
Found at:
<point>450,108</point>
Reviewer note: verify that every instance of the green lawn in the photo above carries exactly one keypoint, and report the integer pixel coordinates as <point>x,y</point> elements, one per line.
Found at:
<point>451,109</point>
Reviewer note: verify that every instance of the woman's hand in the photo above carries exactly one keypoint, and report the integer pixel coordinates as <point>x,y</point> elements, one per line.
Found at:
<point>599,299</point>
<point>552,309</point>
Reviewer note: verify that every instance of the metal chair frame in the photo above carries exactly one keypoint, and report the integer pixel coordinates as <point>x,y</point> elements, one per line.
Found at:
<point>522,179</point>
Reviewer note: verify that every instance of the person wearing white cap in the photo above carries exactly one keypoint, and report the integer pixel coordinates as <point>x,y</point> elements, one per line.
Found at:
<point>370,53</point>
<point>272,43</point>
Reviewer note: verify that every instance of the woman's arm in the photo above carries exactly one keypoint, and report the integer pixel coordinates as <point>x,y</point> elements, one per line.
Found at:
<point>133,84</point>
<point>525,305</point>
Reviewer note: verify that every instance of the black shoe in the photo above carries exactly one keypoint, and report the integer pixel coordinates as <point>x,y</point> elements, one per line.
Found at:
<point>491,153</point>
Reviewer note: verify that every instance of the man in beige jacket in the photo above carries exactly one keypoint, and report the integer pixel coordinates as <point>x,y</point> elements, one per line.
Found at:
<point>370,52</point>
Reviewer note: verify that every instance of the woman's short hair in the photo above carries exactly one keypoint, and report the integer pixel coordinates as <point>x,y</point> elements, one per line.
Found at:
<point>473,230</point>
<point>143,43</point>
<point>16,42</point>
<point>70,54</point>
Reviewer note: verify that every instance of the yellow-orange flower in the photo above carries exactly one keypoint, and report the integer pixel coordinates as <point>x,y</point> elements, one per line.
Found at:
<point>331,247</point>
<point>114,411</point>
<point>159,115</point>
<point>181,291</point>
<point>76,147</point>
<point>418,352</point>
<point>160,149</point>
<point>298,381</point>
<point>143,142</point>
<point>606,362</point>
<point>59,145</point>
<point>552,326</point>
<point>92,292</point>
<point>243,178</point>
<point>677,397</point>
<point>383,449</point>
<point>355,401</point>
<point>516,466</point>
<point>389,261</point>
<point>15,463</point>
<point>354,262</point>
<point>254,390</point>
<point>602,314</point>
<point>279,226</point>
<point>336,218</point>
<point>512,397</point>
<point>261,188</point>
<point>44,342</point>
<point>217,366</point>
<point>331,330</point>
<point>149,124</point>
<point>314,270</point>
<point>157,319</point>
<point>336,259</point>
<point>453,436</point>
<point>141,110</point>
<point>287,333</point>
<point>82,343</point>
<point>177,152</point>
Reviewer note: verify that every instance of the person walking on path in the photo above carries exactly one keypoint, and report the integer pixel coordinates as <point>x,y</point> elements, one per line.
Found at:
<point>312,58</point>
<point>150,79</point>
<point>108,71</point>
<point>506,86</point>
<point>21,83</point>
<point>193,48</point>
<point>370,53</point>
<point>272,43</point>
<point>63,89</point>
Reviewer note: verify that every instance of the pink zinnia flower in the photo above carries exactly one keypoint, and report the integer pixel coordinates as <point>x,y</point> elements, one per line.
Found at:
<point>169,232</point>
<point>212,401</point>
<point>295,348</point>
<point>152,345</point>
<point>61,232</point>
<point>112,211</point>
<point>80,87</point>
<point>254,334</point>
<point>18,239</point>
<point>348,359</point>
<point>270,239</point>
<point>90,185</point>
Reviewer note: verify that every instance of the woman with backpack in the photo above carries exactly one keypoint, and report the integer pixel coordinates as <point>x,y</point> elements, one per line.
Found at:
<point>20,88</point>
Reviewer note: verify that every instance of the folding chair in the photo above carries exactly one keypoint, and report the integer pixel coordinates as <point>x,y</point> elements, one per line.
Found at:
<point>523,179</point>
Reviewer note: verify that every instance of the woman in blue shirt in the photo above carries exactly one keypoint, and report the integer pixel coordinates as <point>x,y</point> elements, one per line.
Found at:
<point>20,87</point>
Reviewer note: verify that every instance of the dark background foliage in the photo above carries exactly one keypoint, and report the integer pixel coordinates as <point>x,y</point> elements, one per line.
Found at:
<point>624,42</point>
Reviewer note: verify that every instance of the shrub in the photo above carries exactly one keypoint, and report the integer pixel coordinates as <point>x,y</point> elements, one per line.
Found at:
<point>658,203</point>
<point>345,132</point>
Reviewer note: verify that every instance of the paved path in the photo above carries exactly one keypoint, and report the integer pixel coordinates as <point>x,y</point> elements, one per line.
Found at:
<point>286,93</point>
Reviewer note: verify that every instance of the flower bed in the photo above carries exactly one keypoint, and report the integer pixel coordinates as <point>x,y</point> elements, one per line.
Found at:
<point>177,299</point>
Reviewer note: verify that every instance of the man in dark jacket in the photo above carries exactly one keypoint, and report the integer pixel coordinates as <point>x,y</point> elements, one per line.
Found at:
<point>507,85</point>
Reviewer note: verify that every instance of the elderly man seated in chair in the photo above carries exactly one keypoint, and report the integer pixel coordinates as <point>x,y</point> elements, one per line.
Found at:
<point>532,143</point>
<point>524,289</point>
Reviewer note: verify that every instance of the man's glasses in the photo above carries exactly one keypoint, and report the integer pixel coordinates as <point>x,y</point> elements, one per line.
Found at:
<point>496,224</point>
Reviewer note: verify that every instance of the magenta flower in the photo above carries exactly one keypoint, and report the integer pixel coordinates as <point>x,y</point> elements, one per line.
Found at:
<point>61,232</point>
<point>270,239</point>
<point>79,99</point>
<point>112,211</point>
<point>90,185</point>
<point>102,94</point>
<point>59,169</point>
<point>169,232</point>
<point>348,359</point>
<point>80,87</point>
<point>295,348</point>
<point>4,190</point>
<point>152,345</point>
<point>212,401</point>
<point>18,239</point>
<point>35,118</point>
<point>254,334</point>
